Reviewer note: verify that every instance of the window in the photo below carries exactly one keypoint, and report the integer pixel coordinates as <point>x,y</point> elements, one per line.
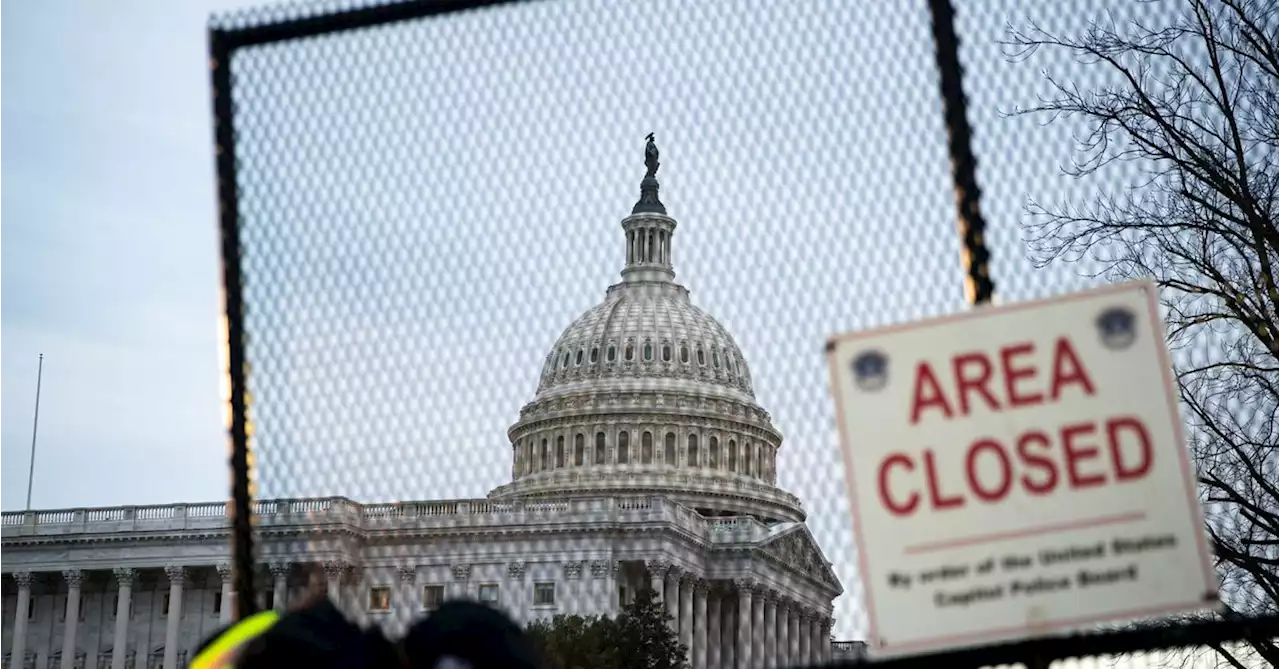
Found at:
<point>217,602</point>
<point>714,454</point>
<point>622,596</point>
<point>624,441</point>
<point>648,352</point>
<point>749,460</point>
<point>612,353</point>
<point>595,354</point>
<point>432,597</point>
<point>600,448</point>
<point>669,451</point>
<point>544,594</point>
<point>684,354</point>
<point>380,598</point>
<point>578,360</point>
<point>559,452</point>
<point>702,357</point>
<point>31,608</point>
<point>165,609</point>
<point>646,448</point>
<point>489,593</point>
<point>565,362</point>
<point>545,461</point>
<point>666,352</point>
<point>691,458</point>
<point>630,353</point>
<point>579,449</point>
<point>760,461</point>
<point>715,359</point>
<point>733,455</point>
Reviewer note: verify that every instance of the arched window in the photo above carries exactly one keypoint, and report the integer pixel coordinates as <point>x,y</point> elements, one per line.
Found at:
<point>630,353</point>
<point>611,354</point>
<point>565,361</point>
<point>530,456</point>
<point>702,357</point>
<point>595,354</point>
<point>559,452</point>
<point>714,453</point>
<point>666,352</point>
<point>733,455</point>
<point>684,354</point>
<point>646,448</point>
<point>545,462</point>
<point>648,352</point>
<point>579,450</point>
<point>578,360</point>
<point>600,448</point>
<point>749,460</point>
<point>760,461</point>
<point>624,442</point>
<point>669,452</point>
<point>691,458</point>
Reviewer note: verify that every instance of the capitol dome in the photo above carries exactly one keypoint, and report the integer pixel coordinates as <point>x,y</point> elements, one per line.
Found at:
<point>647,393</point>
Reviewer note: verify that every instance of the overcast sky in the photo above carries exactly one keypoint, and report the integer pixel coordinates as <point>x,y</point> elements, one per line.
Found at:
<point>489,159</point>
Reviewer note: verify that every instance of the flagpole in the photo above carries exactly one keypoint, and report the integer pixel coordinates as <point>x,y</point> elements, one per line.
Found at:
<point>35,426</point>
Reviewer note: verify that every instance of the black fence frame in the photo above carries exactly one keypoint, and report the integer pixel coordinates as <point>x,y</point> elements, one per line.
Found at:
<point>979,289</point>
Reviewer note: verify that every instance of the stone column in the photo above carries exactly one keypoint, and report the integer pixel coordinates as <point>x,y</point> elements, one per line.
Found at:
<point>120,643</point>
<point>657,576</point>
<point>461,575</point>
<point>228,605</point>
<point>742,650</point>
<point>176,575</point>
<point>699,657</point>
<point>333,581</point>
<point>18,651</point>
<point>758,630</point>
<point>793,634</point>
<point>827,624</point>
<point>672,598</point>
<point>712,626</point>
<point>573,594</point>
<point>783,631</point>
<point>770,630</point>
<point>73,577</point>
<point>805,638</point>
<point>815,646</point>
<point>686,614</point>
<point>519,609</point>
<point>279,584</point>
<point>605,585</point>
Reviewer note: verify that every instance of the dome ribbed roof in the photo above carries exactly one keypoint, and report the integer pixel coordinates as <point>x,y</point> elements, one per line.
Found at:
<point>651,334</point>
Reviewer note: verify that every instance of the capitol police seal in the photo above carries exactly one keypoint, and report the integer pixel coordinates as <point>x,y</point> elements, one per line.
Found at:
<point>1117,328</point>
<point>870,370</point>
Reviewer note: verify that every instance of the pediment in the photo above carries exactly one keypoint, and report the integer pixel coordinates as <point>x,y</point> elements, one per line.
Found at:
<point>797,549</point>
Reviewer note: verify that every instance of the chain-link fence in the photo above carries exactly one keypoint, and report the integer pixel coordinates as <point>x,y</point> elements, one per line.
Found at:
<point>418,199</point>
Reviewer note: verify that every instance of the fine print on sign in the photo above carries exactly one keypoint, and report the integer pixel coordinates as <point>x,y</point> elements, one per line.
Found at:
<point>1019,471</point>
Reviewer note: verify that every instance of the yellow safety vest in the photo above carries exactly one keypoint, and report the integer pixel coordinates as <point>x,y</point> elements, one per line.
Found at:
<point>221,654</point>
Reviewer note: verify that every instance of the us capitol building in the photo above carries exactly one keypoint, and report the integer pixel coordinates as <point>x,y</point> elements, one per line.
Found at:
<point>643,460</point>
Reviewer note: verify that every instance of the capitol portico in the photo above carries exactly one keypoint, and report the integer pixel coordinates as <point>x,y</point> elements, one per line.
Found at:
<point>643,460</point>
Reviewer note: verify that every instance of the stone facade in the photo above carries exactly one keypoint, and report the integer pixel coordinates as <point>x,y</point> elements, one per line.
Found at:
<point>642,461</point>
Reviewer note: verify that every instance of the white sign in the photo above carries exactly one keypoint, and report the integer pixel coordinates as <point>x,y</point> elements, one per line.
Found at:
<point>1018,471</point>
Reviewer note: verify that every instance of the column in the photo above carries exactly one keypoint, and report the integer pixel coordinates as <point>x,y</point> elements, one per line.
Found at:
<point>742,650</point>
<point>699,658</point>
<point>805,638</point>
<point>793,634</point>
<point>279,584</point>
<point>758,630</point>
<point>713,627</point>
<point>224,616</point>
<point>19,648</point>
<point>461,574</point>
<point>573,594</point>
<point>686,583</point>
<point>657,576</point>
<point>518,607</point>
<point>604,587</point>
<point>333,581</point>
<point>176,575</point>
<point>124,595</point>
<point>825,655</point>
<point>770,630</point>
<point>672,598</point>
<point>815,647</point>
<point>783,631</point>
<point>73,577</point>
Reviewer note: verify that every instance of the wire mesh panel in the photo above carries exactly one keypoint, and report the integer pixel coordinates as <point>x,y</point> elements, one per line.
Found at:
<point>425,205</point>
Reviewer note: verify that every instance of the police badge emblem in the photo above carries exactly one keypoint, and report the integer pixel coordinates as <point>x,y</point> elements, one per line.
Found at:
<point>1117,328</point>
<point>870,370</point>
